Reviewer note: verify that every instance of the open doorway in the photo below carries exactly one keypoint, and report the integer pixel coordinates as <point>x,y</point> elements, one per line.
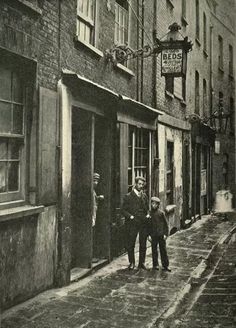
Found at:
<point>91,153</point>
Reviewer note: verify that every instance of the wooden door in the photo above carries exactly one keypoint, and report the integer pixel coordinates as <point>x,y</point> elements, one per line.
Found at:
<point>81,198</point>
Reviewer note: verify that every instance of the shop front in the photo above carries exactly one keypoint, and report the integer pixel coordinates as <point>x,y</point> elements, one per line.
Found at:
<point>114,136</point>
<point>202,151</point>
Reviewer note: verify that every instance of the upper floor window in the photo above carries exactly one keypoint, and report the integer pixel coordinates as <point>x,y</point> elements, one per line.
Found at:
<point>86,20</point>
<point>11,134</point>
<point>121,21</point>
<point>176,86</point>
<point>231,60</point>
<point>184,9</point>
<point>197,93</point>
<point>204,32</point>
<point>220,52</point>
<point>197,20</point>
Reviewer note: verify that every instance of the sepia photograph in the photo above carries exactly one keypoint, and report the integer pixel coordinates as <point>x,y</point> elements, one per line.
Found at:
<point>117,164</point>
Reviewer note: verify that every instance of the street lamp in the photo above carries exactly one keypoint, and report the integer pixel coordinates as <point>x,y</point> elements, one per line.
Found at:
<point>219,120</point>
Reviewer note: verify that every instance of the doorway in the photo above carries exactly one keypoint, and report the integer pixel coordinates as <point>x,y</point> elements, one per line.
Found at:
<point>91,152</point>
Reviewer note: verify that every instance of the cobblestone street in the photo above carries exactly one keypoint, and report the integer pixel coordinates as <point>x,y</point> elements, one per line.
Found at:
<point>116,297</point>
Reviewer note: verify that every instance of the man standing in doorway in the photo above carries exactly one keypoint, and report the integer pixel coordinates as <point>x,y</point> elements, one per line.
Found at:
<point>96,199</point>
<point>136,212</point>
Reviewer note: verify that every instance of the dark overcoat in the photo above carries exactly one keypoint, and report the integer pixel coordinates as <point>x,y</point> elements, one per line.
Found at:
<point>136,206</point>
<point>159,225</point>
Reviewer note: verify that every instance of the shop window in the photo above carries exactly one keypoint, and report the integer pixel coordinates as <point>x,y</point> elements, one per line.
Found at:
<point>86,10</point>
<point>231,61</point>
<point>139,151</point>
<point>197,20</point>
<point>220,52</point>
<point>170,173</point>
<point>121,22</point>
<point>197,94</point>
<point>11,134</point>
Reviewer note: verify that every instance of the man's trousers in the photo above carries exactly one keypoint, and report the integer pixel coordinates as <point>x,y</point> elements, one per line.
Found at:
<point>132,230</point>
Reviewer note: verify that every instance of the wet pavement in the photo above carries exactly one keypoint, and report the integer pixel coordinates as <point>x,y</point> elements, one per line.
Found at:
<point>116,297</point>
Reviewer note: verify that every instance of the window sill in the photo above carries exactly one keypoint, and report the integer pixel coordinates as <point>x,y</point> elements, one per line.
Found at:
<point>93,49</point>
<point>125,70</point>
<point>221,69</point>
<point>205,53</point>
<point>31,6</point>
<point>169,94</point>
<point>198,41</point>
<point>19,212</point>
<point>184,21</point>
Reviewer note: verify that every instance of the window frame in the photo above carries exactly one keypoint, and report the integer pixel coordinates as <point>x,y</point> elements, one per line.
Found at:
<point>170,173</point>
<point>197,93</point>
<point>220,52</point>
<point>197,27</point>
<point>204,32</point>
<point>231,60</point>
<point>16,195</point>
<point>124,28</point>
<point>134,169</point>
<point>88,22</point>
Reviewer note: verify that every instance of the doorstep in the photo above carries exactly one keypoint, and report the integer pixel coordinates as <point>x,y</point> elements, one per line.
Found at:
<point>79,273</point>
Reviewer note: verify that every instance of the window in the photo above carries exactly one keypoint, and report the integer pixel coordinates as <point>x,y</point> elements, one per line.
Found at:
<point>170,173</point>
<point>221,102</point>
<point>11,134</point>
<point>86,20</point>
<point>204,32</point>
<point>169,84</point>
<point>121,22</point>
<point>139,151</point>
<point>176,86</point>
<point>197,94</point>
<point>231,60</point>
<point>184,9</point>
<point>205,98</point>
<point>220,52</point>
<point>197,20</point>
<point>232,116</point>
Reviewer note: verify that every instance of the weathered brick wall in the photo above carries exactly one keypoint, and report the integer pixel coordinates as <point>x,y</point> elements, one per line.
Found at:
<point>223,20</point>
<point>28,244</point>
<point>80,59</point>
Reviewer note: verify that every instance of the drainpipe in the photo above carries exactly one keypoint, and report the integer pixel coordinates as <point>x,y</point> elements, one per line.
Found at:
<point>142,45</point>
<point>211,111</point>
<point>137,60</point>
<point>154,99</point>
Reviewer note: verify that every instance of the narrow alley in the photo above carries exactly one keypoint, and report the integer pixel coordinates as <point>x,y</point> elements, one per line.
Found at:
<point>117,297</point>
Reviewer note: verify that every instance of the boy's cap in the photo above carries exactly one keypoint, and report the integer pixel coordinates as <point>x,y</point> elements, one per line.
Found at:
<point>155,199</point>
<point>96,176</point>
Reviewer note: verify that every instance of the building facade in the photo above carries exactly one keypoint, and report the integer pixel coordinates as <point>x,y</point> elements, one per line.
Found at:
<point>66,111</point>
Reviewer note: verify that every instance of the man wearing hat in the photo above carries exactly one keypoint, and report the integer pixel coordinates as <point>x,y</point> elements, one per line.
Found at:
<point>96,199</point>
<point>135,210</point>
<point>159,232</point>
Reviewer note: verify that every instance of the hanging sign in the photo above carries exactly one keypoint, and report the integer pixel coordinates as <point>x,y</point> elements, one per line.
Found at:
<point>172,62</point>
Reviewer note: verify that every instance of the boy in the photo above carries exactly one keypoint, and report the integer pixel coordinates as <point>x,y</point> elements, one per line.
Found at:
<point>159,232</point>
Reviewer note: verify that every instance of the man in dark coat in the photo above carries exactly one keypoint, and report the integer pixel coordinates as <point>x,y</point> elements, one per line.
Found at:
<point>159,232</point>
<point>136,212</point>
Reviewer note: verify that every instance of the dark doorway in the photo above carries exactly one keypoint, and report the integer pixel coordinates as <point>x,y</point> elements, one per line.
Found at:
<point>91,152</point>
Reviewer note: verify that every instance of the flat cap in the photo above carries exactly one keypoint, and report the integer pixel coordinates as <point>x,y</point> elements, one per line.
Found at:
<point>155,199</point>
